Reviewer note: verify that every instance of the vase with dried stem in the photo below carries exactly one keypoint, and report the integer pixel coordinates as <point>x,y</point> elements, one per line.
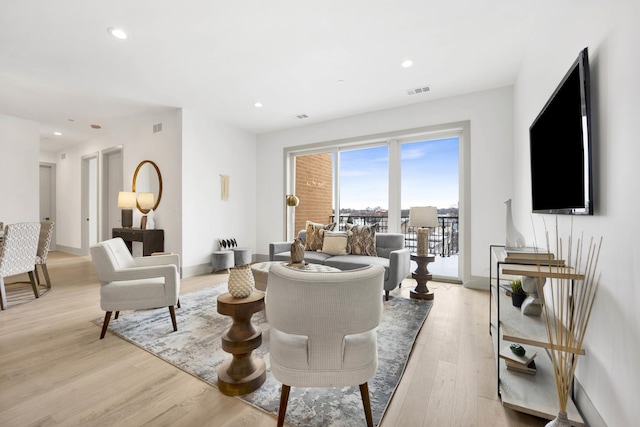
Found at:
<point>569,299</point>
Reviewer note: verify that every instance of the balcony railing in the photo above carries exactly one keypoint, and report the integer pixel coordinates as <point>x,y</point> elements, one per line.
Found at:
<point>443,240</point>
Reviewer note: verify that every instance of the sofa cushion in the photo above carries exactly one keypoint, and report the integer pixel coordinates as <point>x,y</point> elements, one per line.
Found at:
<point>388,242</point>
<point>334,242</point>
<point>362,240</point>
<point>313,240</point>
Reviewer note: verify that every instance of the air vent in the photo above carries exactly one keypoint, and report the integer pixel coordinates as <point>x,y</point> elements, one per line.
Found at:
<point>157,128</point>
<point>301,116</point>
<point>418,90</point>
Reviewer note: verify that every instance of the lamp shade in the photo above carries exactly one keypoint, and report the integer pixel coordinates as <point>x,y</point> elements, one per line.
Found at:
<point>126,199</point>
<point>145,200</point>
<point>292,200</point>
<point>423,216</point>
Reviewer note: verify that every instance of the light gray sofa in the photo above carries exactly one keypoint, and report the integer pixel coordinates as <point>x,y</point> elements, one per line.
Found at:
<point>392,255</point>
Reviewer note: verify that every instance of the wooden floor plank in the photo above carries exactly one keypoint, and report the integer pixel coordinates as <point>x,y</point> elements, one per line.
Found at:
<point>55,371</point>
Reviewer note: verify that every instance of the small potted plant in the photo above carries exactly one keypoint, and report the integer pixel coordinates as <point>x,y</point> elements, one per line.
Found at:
<point>518,294</point>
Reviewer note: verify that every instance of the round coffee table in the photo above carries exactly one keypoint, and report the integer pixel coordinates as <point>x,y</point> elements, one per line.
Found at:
<point>260,271</point>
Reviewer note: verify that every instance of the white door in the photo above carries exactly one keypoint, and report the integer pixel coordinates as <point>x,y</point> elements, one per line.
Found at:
<point>89,202</point>
<point>112,184</point>
<point>48,196</point>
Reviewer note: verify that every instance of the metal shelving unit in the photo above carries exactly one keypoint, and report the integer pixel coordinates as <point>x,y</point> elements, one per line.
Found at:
<point>532,394</point>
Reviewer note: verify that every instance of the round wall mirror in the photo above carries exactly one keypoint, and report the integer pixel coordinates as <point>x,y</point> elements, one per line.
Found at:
<point>147,179</point>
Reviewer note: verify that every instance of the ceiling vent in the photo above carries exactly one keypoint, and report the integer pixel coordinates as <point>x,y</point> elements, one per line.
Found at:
<point>418,90</point>
<point>300,116</point>
<point>157,128</point>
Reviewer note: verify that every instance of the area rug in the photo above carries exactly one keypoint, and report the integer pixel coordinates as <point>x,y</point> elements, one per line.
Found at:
<point>196,349</point>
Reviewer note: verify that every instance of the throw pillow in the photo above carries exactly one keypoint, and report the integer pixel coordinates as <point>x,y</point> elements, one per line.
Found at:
<point>334,243</point>
<point>314,237</point>
<point>362,240</point>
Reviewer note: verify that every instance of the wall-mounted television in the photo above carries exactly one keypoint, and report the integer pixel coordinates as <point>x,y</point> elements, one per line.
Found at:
<point>560,147</point>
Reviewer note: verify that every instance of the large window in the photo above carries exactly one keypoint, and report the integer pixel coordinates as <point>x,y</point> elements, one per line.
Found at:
<point>364,186</point>
<point>377,182</point>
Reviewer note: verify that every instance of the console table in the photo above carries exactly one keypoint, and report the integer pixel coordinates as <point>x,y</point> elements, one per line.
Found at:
<point>152,240</point>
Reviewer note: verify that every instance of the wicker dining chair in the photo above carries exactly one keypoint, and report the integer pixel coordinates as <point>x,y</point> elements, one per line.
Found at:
<point>44,242</point>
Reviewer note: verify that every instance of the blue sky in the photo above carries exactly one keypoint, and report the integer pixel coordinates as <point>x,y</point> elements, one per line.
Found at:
<point>429,175</point>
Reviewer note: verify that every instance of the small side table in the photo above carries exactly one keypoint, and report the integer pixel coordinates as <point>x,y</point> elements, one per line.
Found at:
<point>422,276</point>
<point>244,373</point>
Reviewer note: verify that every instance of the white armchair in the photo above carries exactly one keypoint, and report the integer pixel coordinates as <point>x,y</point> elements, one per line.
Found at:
<point>323,329</point>
<point>128,283</point>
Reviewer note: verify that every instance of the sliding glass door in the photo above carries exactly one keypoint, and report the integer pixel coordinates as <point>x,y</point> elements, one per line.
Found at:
<point>429,176</point>
<point>378,183</point>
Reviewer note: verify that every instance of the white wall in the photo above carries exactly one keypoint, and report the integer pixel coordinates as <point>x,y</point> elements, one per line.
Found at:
<point>19,172</point>
<point>211,149</point>
<point>135,135</point>
<point>608,373</point>
<point>490,115</point>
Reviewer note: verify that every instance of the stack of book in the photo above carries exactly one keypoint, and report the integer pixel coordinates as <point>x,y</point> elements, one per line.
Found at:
<point>524,364</point>
<point>532,256</point>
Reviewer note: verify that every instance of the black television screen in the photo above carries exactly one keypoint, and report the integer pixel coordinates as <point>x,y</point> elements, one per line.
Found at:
<point>560,146</point>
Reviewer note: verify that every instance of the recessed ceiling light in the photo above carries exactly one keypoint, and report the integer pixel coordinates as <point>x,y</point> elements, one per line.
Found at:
<point>340,81</point>
<point>407,63</point>
<point>257,104</point>
<point>57,133</point>
<point>96,126</point>
<point>117,33</point>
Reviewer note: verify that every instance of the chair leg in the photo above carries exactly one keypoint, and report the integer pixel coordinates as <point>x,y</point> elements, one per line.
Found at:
<point>33,284</point>
<point>284,399</point>
<point>172,310</point>
<point>179,303</point>
<point>46,275</point>
<point>364,392</point>
<point>105,324</point>
<point>35,270</point>
<point>117,314</point>
<point>386,295</point>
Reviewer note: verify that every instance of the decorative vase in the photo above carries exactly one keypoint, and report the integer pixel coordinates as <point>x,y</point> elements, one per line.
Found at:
<point>241,282</point>
<point>515,239</point>
<point>560,421</point>
<point>150,220</point>
<point>297,251</point>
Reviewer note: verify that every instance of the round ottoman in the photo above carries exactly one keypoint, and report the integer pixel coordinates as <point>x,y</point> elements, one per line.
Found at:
<point>221,260</point>
<point>242,256</point>
<point>260,271</point>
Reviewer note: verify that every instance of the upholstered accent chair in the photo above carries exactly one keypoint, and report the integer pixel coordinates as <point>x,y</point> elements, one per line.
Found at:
<point>323,329</point>
<point>44,242</point>
<point>17,252</point>
<point>128,283</point>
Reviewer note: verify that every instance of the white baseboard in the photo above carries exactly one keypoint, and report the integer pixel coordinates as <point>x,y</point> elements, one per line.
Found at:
<point>476,282</point>
<point>589,412</point>
<point>69,250</point>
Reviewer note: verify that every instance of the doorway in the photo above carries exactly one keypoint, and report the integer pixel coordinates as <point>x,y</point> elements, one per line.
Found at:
<point>112,184</point>
<point>90,216</point>
<point>48,196</point>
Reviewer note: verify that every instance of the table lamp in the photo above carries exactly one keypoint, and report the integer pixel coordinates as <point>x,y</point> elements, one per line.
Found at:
<point>127,201</point>
<point>423,218</point>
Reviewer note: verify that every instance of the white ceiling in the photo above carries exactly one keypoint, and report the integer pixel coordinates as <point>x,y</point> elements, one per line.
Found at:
<point>57,61</point>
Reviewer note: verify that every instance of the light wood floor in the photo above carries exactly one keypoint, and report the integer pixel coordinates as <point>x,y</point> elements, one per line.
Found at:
<point>54,370</point>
